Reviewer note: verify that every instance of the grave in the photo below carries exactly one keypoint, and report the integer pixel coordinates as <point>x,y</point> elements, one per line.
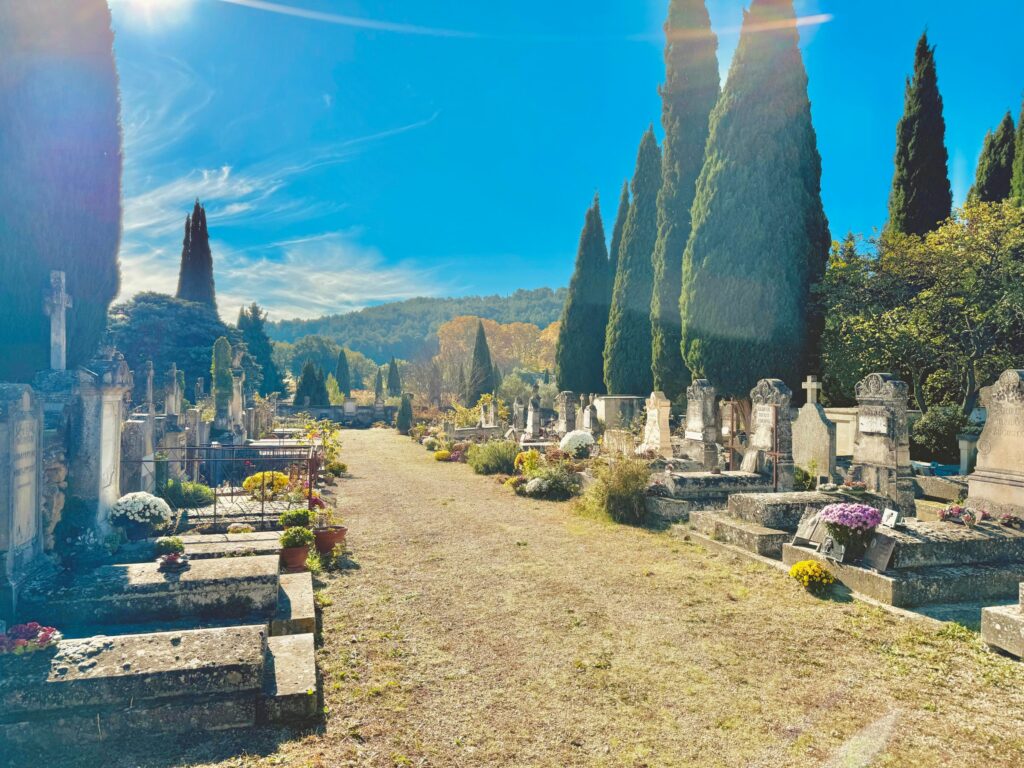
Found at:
<point>814,436</point>
<point>881,452</point>
<point>658,431</point>
<point>566,404</point>
<point>997,484</point>
<point>926,563</point>
<point>1002,626</point>
<point>770,441</point>
<point>700,436</point>
<point>618,411</point>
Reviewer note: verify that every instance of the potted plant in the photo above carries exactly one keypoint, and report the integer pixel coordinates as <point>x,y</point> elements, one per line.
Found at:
<point>295,544</point>
<point>851,525</point>
<point>139,514</point>
<point>301,518</point>
<point>172,562</point>
<point>167,545</point>
<point>329,532</point>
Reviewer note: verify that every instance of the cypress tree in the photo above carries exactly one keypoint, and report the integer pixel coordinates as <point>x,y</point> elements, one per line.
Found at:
<point>342,375</point>
<point>252,322</point>
<point>1017,182</point>
<point>378,386</point>
<point>921,197</point>
<point>995,166</point>
<point>221,382</point>
<point>403,421</point>
<point>616,245</point>
<point>627,349</point>
<point>481,372</point>
<point>311,389</point>
<point>760,237</point>
<point>60,177</point>
<point>688,96</point>
<point>579,351</point>
<point>462,390</point>
<point>394,378</point>
<point>195,277</point>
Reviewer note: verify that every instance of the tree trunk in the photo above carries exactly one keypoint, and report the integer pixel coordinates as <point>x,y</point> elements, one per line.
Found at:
<point>919,392</point>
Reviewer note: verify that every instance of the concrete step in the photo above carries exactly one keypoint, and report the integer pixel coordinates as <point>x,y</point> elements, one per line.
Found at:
<point>290,689</point>
<point>1002,627</point>
<point>296,607</point>
<point>759,539</point>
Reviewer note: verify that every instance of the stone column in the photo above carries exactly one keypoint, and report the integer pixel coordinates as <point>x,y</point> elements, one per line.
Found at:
<point>881,449</point>
<point>95,476</point>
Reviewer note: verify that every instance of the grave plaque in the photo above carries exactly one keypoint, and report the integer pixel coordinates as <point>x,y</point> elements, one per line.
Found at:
<point>832,550</point>
<point>810,531</point>
<point>892,518</point>
<point>873,421</point>
<point>880,552</point>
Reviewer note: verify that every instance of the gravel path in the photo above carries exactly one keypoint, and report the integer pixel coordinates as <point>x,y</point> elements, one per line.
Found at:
<point>481,629</point>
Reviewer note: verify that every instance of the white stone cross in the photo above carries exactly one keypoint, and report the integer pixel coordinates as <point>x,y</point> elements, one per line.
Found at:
<point>56,305</point>
<point>813,387</point>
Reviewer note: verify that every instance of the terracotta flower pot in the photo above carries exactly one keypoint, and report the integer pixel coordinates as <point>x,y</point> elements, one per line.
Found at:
<point>294,558</point>
<point>328,538</point>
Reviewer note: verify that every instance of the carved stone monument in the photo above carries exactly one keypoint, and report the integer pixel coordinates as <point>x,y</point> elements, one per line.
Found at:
<point>518,415</point>
<point>566,412</point>
<point>22,531</point>
<point>56,305</point>
<point>533,416</point>
<point>770,447</point>
<point>658,430</point>
<point>814,435</point>
<point>881,450</point>
<point>997,484</point>
<point>701,432</point>
<point>172,392</point>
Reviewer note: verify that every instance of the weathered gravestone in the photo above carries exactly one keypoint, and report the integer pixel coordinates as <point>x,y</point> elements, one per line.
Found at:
<point>518,415</point>
<point>56,306</point>
<point>21,523</point>
<point>997,484</point>
<point>618,411</point>
<point>172,392</point>
<point>589,418</point>
<point>701,433</point>
<point>814,435</point>
<point>533,416</point>
<point>770,447</point>
<point>566,412</point>
<point>881,451</point>
<point>658,431</point>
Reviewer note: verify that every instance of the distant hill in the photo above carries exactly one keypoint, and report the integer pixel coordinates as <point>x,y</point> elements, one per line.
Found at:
<point>407,329</point>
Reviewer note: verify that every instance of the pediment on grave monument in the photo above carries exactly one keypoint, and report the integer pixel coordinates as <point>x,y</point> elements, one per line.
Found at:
<point>881,386</point>
<point>771,392</point>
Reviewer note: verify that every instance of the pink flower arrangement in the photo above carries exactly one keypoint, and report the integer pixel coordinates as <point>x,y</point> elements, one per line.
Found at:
<point>963,515</point>
<point>28,638</point>
<point>1012,521</point>
<point>856,517</point>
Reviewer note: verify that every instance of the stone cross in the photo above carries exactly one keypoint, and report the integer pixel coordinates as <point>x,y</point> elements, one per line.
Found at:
<point>149,382</point>
<point>813,387</point>
<point>56,305</point>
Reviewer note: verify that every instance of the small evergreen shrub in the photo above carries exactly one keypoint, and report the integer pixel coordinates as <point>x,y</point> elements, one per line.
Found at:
<point>297,537</point>
<point>528,462</point>
<point>336,468</point>
<point>184,494</point>
<point>296,517</point>
<point>618,493</point>
<point>404,419</point>
<point>934,436</point>
<point>552,483</point>
<point>493,458</point>
<point>167,545</point>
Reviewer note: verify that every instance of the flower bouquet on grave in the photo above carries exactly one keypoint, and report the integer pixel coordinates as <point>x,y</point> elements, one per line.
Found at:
<point>172,562</point>
<point>851,525</point>
<point>1012,521</point>
<point>855,487</point>
<point>813,576</point>
<point>27,639</point>
<point>139,514</point>
<point>963,516</point>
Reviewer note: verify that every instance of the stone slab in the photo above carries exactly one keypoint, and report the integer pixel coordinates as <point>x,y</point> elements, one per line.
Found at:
<point>714,489</point>
<point>671,510</point>
<point>129,594</point>
<point>922,544</point>
<point>296,608</point>
<point>766,542</point>
<point>945,489</point>
<point>1002,627</point>
<point>777,510</point>
<point>123,670</point>
<point>988,582</point>
<point>290,693</point>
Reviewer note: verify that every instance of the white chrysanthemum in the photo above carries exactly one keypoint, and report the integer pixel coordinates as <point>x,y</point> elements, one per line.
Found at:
<point>141,507</point>
<point>578,443</point>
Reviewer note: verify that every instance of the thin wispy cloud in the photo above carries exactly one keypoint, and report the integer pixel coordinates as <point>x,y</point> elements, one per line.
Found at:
<point>348,21</point>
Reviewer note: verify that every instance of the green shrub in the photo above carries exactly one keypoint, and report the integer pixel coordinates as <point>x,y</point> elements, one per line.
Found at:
<point>184,494</point>
<point>618,492</point>
<point>336,468</point>
<point>803,480</point>
<point>934,434</point>
<point>404,419</point>
<point>268,485</point>
<point>167,545</point>
<point>296,518</point>
<point>552,483</point>
<point>297,537</point>
<point>241,528</point>
<point>497,457</point>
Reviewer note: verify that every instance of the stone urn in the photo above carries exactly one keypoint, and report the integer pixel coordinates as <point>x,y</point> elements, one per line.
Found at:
<point>328,537</point>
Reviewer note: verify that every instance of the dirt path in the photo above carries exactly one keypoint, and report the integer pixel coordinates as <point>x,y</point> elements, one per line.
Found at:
<point>481,629</point>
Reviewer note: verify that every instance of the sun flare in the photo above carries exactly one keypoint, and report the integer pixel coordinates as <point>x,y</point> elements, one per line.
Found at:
<point>153,14</point>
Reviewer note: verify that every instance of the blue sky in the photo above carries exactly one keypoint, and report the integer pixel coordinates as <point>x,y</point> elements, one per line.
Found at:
<point>351,152</point>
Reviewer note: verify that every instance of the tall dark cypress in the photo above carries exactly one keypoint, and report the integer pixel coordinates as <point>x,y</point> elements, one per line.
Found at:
<point>689,94</point>
<point>252,323</point>
<point>760,237</point>
<point>995,166</point>
<point>378,386</point>
<point>394,378</point>
<point>1017,181</point>
<point>921,197</point>
<point>195,278</point>
<point>221,382</point>
<point>627,350</point>
<point>342,374</point>
<point>579,351</point>
<point>616,244</point>
<point>481,372</point>
<point>60,176</point>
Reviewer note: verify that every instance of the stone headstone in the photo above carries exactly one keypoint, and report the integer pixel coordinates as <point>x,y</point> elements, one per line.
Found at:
<point>350,406</point>
<point>997,484</point>
<point>566,412</point>
<point>200,390</point>
<point>619,411</point>
<point>658,430</point>
<point>589,419</point>
<point>488,415</point>
<point>701,430</point>
<point>533,416</point>
<point>21,525</point>
<point>518,414</point>
<point>814,435</point>
<point>172,392</point>
<point>881,450</point>
<point>56,306</point>
<point>770,443</point>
